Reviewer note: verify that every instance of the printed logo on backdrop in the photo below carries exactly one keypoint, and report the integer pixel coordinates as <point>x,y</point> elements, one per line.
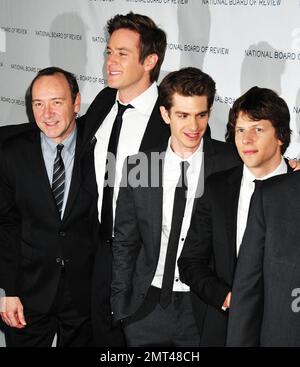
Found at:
<point>165,2</point>
<point>14,30</point>
<point>99,39</point>
<point>203,49</point>
<point>12,100</point>
<point>60,35</point>
<point>273,54</point>
<point>264,3</point>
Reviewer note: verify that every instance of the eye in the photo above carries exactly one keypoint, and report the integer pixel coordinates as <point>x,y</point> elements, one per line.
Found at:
<point>239,130</point>
<point>182,115</point>
<point>37,104</point>
<point>58,103</point>
<point>203,114</point>
<point>258,129</point>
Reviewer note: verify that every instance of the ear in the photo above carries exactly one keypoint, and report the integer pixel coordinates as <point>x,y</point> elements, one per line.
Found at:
<point>150,62</point>
<point>165,115</point>
<point>77,103</point>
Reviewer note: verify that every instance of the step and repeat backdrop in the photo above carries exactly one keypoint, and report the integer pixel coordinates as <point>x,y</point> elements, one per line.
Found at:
<point>240,43</point>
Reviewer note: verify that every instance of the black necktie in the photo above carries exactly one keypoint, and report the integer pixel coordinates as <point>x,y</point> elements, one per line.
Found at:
<point>108,190</point>
<point>58,181</point>
<point>177,217</point>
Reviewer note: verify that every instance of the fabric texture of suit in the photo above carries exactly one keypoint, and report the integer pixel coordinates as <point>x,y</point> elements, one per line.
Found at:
<point>33,237</point>
<point>138,227</point>
<point>156,133</point>
<point>268,270</point>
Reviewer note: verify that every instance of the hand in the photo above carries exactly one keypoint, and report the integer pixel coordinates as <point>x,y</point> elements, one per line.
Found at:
<point>12,312</point>
<point>227,301</point>
<point>295,164</point>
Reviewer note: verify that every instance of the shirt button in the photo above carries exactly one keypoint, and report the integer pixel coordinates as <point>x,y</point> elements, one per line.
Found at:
<point>182,239</point>
<point>176,280</point>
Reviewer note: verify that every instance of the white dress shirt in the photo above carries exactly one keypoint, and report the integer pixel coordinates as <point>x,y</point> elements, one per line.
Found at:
<point>246,191</point>
<point>171,176</point>
<point>134,124</point>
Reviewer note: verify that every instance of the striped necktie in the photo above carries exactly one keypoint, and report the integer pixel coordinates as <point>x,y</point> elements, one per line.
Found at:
<point>58,181</point>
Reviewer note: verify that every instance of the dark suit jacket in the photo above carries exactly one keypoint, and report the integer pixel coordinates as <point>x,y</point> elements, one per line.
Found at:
<point>268,269</point>
<point>32,236</point>
<point>138,228</point>
<point>208,259</point>
<point>157,132</point>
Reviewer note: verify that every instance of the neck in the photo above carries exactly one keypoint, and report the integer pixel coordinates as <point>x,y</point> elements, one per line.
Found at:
<point>126,95</point>
<point>266,169</point>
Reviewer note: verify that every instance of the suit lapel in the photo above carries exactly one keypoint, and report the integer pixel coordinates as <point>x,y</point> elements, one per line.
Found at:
<point>83,161</point>
<point>231,195</point>
<point>156,202</point>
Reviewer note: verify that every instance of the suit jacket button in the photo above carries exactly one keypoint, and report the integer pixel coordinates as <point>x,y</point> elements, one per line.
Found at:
<point>58,260</point>
<point>62,234</point>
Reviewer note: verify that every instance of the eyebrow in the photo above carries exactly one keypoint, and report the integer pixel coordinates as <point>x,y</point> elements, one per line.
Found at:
<point>52,99</point>
<point>188,113</point>
<point>119,48</point>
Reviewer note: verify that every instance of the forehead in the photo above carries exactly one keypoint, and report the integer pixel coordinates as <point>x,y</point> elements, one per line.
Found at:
<point>124,38</point>
<point>244,120</point>
<point>55,84</point>
<point>189,103</point>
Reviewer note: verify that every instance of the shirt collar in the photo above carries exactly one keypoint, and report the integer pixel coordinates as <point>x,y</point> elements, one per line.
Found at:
<point>69,143</point>
<point>280,169</point>
<point>144,102</point>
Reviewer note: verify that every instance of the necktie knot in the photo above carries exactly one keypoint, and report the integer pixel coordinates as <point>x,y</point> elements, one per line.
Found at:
<point>122,108</point>
<point>258,183</point>
<point>59,148</point>
<point>184,165</point>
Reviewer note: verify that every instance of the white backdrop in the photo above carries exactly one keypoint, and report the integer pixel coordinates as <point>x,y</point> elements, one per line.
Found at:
<point>240,43</point>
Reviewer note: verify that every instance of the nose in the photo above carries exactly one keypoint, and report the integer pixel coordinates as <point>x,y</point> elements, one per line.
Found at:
<point>111,59</point>
<point>193,125</point>
<point>247,136</point>
<point>47,110</point>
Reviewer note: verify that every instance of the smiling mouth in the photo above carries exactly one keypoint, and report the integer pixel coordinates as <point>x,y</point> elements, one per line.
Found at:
<point>192,135</point>
<point>114,73</point>
<point>50,124</point>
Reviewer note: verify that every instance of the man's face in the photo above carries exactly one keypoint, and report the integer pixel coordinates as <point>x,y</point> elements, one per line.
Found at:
<point>124,70</point>
<point>188,119</point>
<point>53,108</point>
<point>257,145</point>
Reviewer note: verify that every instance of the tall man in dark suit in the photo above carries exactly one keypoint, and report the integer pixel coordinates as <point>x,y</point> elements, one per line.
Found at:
<point>153,217</point>
<point>259,125</point>
<point>48,220</point>
<point>135,52</point>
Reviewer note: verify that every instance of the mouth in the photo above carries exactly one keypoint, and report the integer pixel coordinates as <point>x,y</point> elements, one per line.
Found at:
<point>192,136</point>
<point>250,151</point>
<point>51,123</point>
<point>114,73</point>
